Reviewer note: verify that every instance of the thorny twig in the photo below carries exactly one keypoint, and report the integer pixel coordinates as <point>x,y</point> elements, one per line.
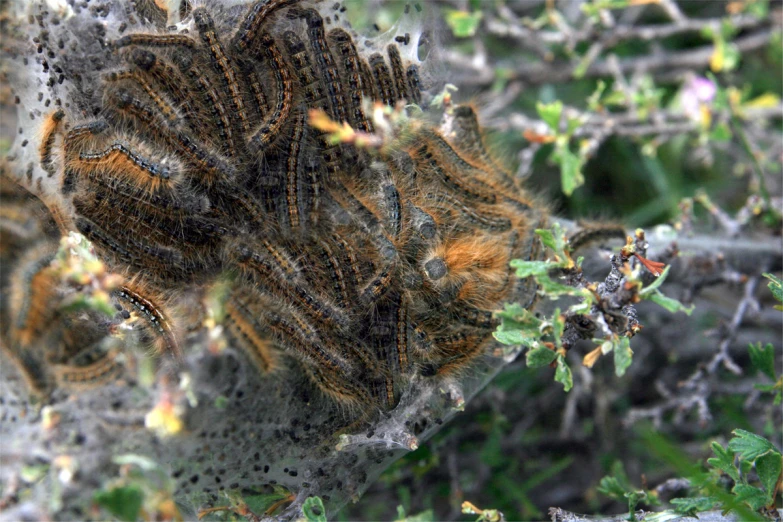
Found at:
<point>507,25</point>
<point>748,301</point>
<point>695,391</point>
<point>543,42</point>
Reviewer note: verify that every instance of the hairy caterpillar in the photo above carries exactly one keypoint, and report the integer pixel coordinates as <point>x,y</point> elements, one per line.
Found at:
<point>189,160</point>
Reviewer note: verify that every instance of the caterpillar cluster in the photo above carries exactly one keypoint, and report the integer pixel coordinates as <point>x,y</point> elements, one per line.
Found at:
<point>194,159</point>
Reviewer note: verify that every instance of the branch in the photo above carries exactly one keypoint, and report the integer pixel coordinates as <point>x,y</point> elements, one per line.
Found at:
<point>530,38</point>
<point>535,73</point>
<point>561,515</point>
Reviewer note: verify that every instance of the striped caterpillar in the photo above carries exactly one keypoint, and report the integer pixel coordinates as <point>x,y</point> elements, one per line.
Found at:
<point>187,158</point>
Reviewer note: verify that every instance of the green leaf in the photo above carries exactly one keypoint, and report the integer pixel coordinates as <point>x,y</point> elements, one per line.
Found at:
<point>462,23</point>
<point>615,98</point>
<point>563,374</point>
<point>550,113</point>
<point>622,355</point>
<point>558,326</point>
<point>540,356</point>
<point>262,502</point>
<point>691,506</point>
<point>763,359</point>
<point>611,487</point>
<point>731,57</point>
<point>751,495</point>
<point>513,311</point>
<point>34,473</point>
<point>670,304</point>
<point>517,326</point>
<point>750,446</point>
<point>516,337</point>
<point>724,461</point>
<point>531,268</point>
<point>123,502</point>
<point>313,510</point>
<point>554,238</point>
<point>570,170</point>
<point>514,317</point>
<point>593,101</point>
<point>775,286</point>
<point>573,124</point>
<point>553,288</point>
<point>424,516</point>
<point>655,284</point>
<point>584,64</point>
<point>757,8</point>
<point>547,238</point>
<point>721,132</point>
<point>768,468</point>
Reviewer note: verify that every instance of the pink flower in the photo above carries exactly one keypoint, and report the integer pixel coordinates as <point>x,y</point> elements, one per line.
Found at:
<point>696,93</point>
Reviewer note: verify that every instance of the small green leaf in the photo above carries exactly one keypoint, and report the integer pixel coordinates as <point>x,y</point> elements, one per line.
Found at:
<point>769,467</point>
<point>622,355</point>
<point>553,288</point>
<point>775,286</point>
<point>584,64</point>
<point>513,311</point>
<point>462,23</point>
<point>570,170</point>
<point>516,337</point>
<point>611,487</point>
<point>424,516</point>
<point>547,238</point>
<point>573,125</point>
<point>531,268</point>
<point>670,304</point>
<point>261,502</point>
<point>539,357</point>
<point>594,100</point>
<point>514,317</point>
<point>731,57</point>
<point>221,402</point>
<point>721,132</point>
<point>555,238</point>
<point>558,326</point>
<point>763,359</point>
<point>550,113</point>
<point>313,510</point>
<point>691,506</point>
<point>123,502</point>
<point>751,495</point>
<point>615,98</point>
<point>724,461</point>
<point>563,374</point>
<point>517,326</point>
<point>750,446</point>
<point>34,473</point>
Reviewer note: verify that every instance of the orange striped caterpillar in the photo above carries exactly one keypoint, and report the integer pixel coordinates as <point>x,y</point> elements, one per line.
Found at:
<point>364,269</point>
